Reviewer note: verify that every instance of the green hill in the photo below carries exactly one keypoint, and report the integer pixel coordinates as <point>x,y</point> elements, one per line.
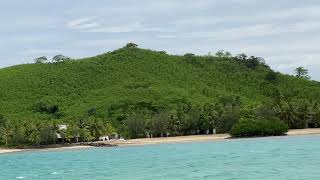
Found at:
<point>140,84</point>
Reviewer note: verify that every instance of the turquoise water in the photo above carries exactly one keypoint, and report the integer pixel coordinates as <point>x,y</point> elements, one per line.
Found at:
<point>279,158</point>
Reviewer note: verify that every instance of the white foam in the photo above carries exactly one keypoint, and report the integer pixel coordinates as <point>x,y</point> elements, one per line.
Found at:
<point>20,177</point>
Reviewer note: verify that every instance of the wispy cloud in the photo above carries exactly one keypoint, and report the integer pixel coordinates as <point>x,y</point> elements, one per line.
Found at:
<point>115,29</point>
<point>280,15</point>
<point>284,32</point>
<point>83,23</point>
<point>250,31</point>
<point>91,25</point>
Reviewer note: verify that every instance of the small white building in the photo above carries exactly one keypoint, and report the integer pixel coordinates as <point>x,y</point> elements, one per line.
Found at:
<point>104,138</point>
<point>63,127</point>
<point>109,137</point>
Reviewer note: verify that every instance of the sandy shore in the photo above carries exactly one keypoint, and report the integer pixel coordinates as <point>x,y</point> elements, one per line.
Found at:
<point>297,132</point>
<point>196,138</point>
<point>2,150</point>
<point>179,139</point>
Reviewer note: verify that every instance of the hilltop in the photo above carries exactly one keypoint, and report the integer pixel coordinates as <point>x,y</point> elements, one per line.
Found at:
<point>141,83</point>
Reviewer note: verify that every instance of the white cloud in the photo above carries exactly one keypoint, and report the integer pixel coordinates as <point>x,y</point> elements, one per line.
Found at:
<point>251,31</point>
<point>303,12</point>
<point>130,27</point>
<point>289,61</point>
<point>87,26</point>
<point>77,22</point>
<point>311,13</point>
<point>82,23</point>
<point>284,32</point>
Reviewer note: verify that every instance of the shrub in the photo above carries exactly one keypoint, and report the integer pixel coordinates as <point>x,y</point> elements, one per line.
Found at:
<point>261,127</point>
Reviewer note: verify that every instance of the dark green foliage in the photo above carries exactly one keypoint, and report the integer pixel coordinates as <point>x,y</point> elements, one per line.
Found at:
<point>23,133</point>
<point>51,110</point>
<point>136,125</point>
<point>252,62</point>
<point>41,60</point>
<point>92,112</point>
<point>227,118</point>
<point>271,76</point>
<point>60,58</point>
<point>260,127</point>
<point>160,124</point>
<point>301,72</point>
<point>131,45</point>
<point>223,54</point>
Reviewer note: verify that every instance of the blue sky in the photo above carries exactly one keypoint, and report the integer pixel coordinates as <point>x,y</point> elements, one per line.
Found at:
<point>285,32</point>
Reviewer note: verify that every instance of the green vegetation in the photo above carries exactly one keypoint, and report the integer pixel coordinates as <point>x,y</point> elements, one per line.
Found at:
<point>260,127</point>
<point>301,72</point>
<point>136,92</point>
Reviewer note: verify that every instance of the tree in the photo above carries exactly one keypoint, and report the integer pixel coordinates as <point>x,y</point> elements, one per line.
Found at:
<point>271,76</point>
<point>96,127</point>
<point>41,60</point>
<point>259,127</point>
<point>60,58</point>
<point>82,125</point>
<point>131,45</point>
<point>266,110</point>
<point>136,125</point>
<point>73,132</point>
<point>2,120</point>
<point>286,111</point>
<point>44,108</point>
<point>242,57</point>
<point>208,118</point>
<point>302,72</point>
<point>109,129</point>
<point>160,123</point>
<point>252,62</point>
<point>48,134</point>
<point>228,116</point>
<point>223,54</point>
<point>188,118</point>
<point>5,130</point>
<point>189,55</point>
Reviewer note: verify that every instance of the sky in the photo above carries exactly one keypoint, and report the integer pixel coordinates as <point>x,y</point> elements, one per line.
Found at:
<point>284,32</point>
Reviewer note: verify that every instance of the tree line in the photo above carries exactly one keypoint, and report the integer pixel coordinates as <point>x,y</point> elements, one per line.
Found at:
<point>186,119</point>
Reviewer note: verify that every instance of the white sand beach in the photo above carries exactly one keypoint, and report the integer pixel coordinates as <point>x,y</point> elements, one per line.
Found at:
<point>3,150</point>
<point>178,139</point>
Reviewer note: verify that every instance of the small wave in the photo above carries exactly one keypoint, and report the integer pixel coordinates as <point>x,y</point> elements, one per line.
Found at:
<point>54,173</point>
<point>20,177</point>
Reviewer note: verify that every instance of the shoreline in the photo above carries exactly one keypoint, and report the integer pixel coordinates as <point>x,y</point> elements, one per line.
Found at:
<point>164,140</point>
<point>69,147</point>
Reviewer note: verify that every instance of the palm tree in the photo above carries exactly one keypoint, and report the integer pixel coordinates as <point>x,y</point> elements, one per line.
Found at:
<point>96,127</point>
<point>6,133</point>
<point>301,72</point>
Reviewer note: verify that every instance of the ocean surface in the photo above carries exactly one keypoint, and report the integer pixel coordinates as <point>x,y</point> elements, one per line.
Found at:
<point>276,158</point>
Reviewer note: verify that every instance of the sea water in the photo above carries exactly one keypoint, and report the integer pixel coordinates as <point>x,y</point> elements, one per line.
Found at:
<point>276,158</point>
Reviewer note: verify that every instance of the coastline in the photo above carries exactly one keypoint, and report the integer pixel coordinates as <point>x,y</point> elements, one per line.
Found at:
<point>164,140</point>
<point>4,150</point>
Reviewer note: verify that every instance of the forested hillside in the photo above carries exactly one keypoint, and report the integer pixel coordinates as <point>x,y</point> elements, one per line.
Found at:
<point>136,91</point>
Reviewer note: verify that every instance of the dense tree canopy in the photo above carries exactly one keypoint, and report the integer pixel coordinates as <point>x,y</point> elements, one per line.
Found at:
<point>136,92</point>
